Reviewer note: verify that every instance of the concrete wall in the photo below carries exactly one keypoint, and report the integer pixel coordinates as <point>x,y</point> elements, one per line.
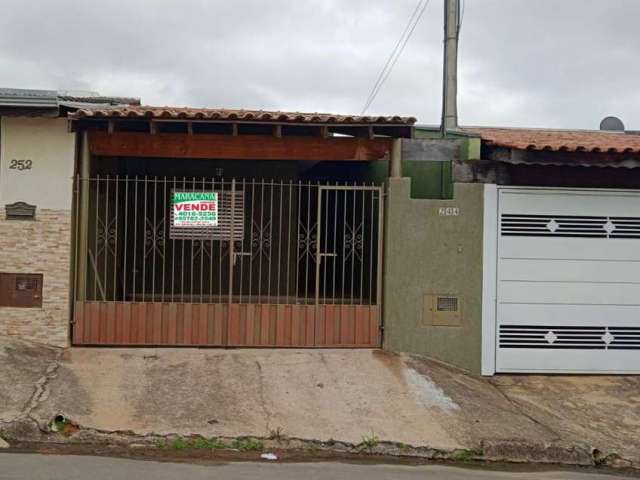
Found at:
<point>44,245</point>
<point>50,147</point>
<point>426,253</point>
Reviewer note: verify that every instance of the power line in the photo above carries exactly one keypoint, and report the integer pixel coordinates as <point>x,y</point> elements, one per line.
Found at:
<point>396,52</point>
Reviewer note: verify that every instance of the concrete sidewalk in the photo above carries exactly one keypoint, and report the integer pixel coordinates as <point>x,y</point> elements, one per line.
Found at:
<point>340,395</point>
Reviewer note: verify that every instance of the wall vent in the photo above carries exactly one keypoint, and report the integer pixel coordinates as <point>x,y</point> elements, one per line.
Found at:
<point>441,310</point>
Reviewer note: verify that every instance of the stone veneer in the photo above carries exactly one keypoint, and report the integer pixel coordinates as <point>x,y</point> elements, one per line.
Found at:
<point>40,246</point>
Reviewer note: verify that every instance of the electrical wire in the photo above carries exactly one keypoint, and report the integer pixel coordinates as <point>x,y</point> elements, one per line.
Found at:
<point>391,56</point>
<point>396,52</point>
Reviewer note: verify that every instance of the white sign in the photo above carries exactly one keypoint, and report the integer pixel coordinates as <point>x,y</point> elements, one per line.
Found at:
<point>195,209</point>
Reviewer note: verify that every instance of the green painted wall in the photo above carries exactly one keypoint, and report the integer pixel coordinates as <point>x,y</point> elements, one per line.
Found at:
<point>429,179</point>
<point>426,253</point>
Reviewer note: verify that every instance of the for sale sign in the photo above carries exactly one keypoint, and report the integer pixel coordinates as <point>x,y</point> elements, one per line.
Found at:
<point>195,209</point>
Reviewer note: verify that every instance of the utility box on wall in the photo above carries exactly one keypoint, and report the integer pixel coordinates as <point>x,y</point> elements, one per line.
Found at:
<point>442,311</point>
<point>21,290</point>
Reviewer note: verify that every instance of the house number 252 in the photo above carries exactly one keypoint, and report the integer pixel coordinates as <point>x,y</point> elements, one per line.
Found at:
<point>20,164</point>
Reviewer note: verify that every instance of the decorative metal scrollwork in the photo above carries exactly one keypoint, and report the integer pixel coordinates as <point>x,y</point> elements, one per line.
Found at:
<point>307,240</point>
<point>261,239</point>
<point>353,242</point>
<point>154,237</point>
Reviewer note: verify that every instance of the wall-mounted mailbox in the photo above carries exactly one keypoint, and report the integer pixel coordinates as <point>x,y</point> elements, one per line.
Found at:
<point>21,290</point>
<point>20,211</point>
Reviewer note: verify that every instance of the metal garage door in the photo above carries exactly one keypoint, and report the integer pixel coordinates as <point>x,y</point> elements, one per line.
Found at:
<point>568,281</point>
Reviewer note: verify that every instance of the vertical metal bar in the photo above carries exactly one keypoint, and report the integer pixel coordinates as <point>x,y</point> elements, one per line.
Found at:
<point>335,244</point>
<point>363,194</point>
<point>288,274</point>
<point>380,246</point>
<point>191,296</point>
<point>210,299</point>
<point>126,237</point>
<point>327,194</point>
<point>165,236</point>
<point>251,241</point>
<point>353,242</point>
<point>308,249</point>
<point>106,238</point>
<point>220,242</point>
<point>173,242</point>
<point>260,240</point>
<point>344,234</point>
<point>299,244</point>
<point>371,250</point>
<point>318,242</point>
<point>116,239</point>
<point>182,240</point>
<point>231,250</point>
<point>94,261</point>
<point>278,288</point>
<point>153,238</point>
<point>241,283</point>
<point>135,238</point>
<point>144,242</point>
<point>270,243</point>
<point>202,240</point>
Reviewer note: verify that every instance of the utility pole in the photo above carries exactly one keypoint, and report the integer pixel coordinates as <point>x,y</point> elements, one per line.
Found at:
<point>449,119</point>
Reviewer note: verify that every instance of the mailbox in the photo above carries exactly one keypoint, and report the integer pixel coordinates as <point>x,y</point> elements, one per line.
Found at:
<point>21,290</point>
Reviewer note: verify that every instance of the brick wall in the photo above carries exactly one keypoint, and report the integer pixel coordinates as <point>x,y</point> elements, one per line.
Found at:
<point>40,246</point>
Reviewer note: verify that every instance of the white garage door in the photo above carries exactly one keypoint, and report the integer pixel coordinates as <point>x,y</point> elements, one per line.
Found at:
<point>568,281</point>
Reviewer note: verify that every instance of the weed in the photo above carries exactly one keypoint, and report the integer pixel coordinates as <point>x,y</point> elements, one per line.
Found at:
<point>247,444</point>
<point>276,434</point>
<point>465,456</point>
<point>162,444</point>
<point>217,444</point>
<point>180,444</point>
<point>369,442</point>
<point>402,446</point>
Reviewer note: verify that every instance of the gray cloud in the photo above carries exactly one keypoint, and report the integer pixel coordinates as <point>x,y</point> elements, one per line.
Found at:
<point>523,62</point>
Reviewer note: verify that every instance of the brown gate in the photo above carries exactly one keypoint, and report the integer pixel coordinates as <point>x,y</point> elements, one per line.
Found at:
<point>285,265</point>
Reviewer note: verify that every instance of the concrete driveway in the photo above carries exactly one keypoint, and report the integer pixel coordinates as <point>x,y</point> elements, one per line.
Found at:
<point>340,395</point>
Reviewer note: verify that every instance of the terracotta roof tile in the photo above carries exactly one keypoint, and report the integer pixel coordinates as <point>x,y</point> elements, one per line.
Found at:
<point>559,140</point>
<point>224,114</point>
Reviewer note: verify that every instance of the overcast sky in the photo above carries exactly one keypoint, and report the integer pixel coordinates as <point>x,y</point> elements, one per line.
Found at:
<point>551,63</point>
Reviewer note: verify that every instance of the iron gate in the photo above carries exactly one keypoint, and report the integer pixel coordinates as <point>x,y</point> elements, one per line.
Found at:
<point>288,264</point>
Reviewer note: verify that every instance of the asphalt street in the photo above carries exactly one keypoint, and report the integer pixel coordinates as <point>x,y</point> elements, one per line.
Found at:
<point>19,466</point>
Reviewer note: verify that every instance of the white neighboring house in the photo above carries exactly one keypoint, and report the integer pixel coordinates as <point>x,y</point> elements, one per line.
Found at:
<point>37,164</point>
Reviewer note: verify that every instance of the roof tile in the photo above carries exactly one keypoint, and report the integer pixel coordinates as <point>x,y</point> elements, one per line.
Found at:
<point>559,140</point>
<point>187,113</point>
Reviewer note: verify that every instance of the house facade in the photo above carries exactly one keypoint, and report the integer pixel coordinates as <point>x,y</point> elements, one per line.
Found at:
<point>494,250</point>
<point>37,165</point>
<point>530,266</point>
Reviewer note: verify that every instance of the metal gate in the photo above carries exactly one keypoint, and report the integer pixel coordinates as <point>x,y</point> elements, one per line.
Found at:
<point>288,264</point>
